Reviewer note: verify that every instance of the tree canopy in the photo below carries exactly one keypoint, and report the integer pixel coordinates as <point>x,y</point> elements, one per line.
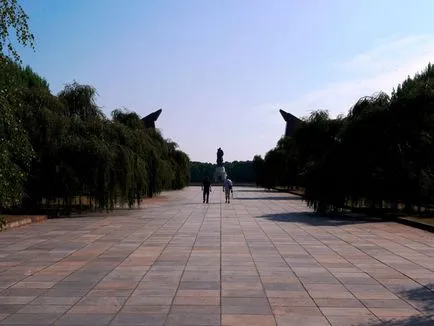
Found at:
<point>379,156</point>
<point>238,171</point>
<point>60,149</point>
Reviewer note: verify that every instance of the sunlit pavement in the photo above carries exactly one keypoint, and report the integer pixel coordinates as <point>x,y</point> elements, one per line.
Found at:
<point>263,259</point>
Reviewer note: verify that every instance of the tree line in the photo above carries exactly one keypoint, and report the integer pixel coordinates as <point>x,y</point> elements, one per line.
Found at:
<point>238,171</point>
<point>380,156</point>
<point>56,148</point>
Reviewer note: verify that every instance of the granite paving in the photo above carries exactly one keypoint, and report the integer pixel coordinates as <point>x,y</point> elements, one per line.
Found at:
<point>262,259</point>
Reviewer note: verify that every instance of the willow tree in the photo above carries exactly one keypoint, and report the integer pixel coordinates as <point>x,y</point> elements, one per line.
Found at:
<point>80,101</point>
<point>158,166</point>
<point>381,152</point>
<point>412,114</point>
<point>64,146</point>
<point>287,148</point>
<point>179,164</point>
<point>365,152</point>
<point>130,148</point>
<point>275,168</point>
<point>85,155</point>
<point>258,167</point>
<point>316,140</point>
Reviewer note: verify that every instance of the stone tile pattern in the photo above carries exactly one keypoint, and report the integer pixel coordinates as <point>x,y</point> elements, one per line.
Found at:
<point>263,259</point>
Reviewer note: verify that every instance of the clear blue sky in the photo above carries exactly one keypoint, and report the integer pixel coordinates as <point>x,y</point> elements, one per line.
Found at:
<point>221,70</point>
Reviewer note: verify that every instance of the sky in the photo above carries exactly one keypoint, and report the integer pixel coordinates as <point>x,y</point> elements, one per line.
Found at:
<point>221,70</point>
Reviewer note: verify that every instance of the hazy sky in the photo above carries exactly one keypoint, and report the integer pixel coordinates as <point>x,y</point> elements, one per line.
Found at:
<point>221,70</point>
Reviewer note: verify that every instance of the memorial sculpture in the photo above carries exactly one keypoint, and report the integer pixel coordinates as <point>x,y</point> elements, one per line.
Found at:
<point>219,172</point>
<point>291,123</point>
<point>149,120</point>
<point>220,154</point>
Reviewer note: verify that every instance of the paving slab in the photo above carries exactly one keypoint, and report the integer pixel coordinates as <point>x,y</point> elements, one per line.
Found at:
<point>262,259</point>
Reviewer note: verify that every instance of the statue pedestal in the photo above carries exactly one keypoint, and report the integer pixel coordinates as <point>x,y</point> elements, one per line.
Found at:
<point>219,174</point>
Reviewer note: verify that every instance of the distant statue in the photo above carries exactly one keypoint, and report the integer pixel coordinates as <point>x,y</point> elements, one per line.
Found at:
<point>220,157</point>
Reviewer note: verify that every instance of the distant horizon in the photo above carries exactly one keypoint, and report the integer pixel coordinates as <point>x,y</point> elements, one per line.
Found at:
<point>221,71</point>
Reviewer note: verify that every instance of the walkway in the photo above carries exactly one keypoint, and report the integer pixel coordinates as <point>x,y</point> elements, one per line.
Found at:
<point>262,260</point>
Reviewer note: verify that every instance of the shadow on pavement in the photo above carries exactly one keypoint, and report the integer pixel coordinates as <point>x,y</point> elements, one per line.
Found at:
<point>423,298</point>
<point>270,198</point>
<point>313,219</point>
<point>254,190</point>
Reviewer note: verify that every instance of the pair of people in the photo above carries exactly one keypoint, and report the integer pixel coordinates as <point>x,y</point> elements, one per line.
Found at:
<point>206,189</point>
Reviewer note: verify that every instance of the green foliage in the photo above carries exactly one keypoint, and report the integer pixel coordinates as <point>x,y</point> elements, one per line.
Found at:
<point>13,17</point>
<point>238,171</point>
<point>379,155</point>
<point>60,147</point>
<point>259,170</point>
<point>16,152</point>
<point>199,170</point>
<point>15,156</point>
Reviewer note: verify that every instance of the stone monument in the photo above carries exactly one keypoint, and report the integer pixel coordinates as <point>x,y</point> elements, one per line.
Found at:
<point>219,172</point>
<point>291,123</point>
<point>149,120</point>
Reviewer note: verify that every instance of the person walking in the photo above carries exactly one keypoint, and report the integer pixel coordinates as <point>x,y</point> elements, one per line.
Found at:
<point>227,188</point>
<point>206,188</point>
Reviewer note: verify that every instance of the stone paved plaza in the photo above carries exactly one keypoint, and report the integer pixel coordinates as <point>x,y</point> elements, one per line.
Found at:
<point>263,259</point>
